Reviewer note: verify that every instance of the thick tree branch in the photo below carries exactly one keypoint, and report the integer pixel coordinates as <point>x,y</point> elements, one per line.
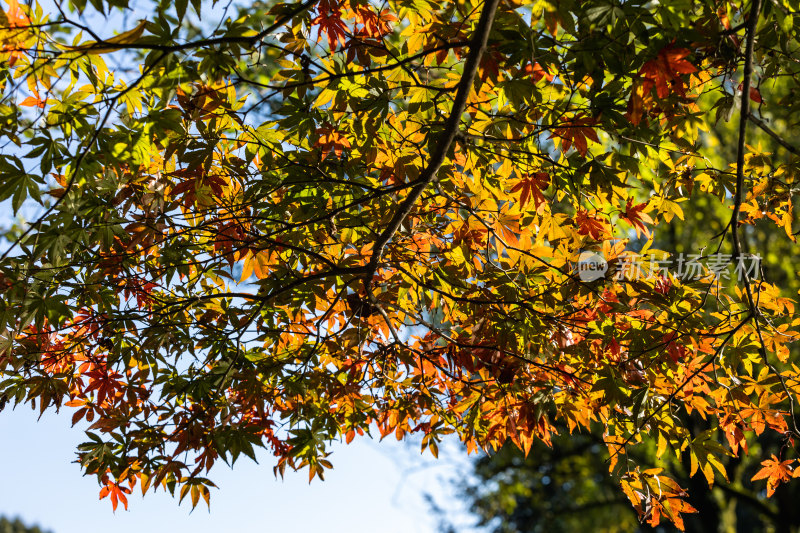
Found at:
<point>745,116</point>
<point>738,196</point>
<point>445,140</point>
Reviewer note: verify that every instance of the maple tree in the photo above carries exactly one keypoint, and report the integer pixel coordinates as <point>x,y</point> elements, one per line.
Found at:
<point>277,225</point>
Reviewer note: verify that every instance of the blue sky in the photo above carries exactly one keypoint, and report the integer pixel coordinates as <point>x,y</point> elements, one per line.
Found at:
<point>374,487</point>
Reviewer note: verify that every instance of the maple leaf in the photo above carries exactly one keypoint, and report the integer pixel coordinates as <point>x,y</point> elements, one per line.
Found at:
<point>732,426</point>
<point>330,24</point>
<point>117,494</point>
<point>15,53</point>
<point>375,25</point>
<point>331,140</point>
<point>589,224</point>
<point>537,72</point>
<point>33,101</point>
<point>705,452</point>
<point>576,131</point>
<point>614,349</point>
<point>775,472</point>
<point>664,71</point>
<point>490,65</point>
<point>16,17</point>
<point>532,186</point>
<point>640,100</point>
<point>637,217</point>
<point>663,285</point>
<point>672,508</point>
<point>755,94</point>
<point>653,494</point>
<point>676,352</point>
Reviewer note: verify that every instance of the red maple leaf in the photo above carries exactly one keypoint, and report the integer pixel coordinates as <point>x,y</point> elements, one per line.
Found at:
<point>636,216</point>
<point>532,186</point>
<point>663,285</point>
<point>576,131</point>
<point>588,224</point>
<point>676,352</point>
<point>490,65</point>
<point>614,349</point>
<point>330,23</point>
<point>664,71</point>
<point>755,94</point>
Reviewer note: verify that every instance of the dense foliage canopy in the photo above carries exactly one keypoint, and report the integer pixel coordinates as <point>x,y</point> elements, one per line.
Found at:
<point>283,224</point>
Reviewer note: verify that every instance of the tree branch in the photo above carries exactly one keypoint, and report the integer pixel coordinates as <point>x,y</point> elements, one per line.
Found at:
<point>445,141</point>
<point>772,133</point>
<point>752,22</point>
<point>740,185</point>
<point>200,43</point>
<point>745,114</point>
<point>748,499</point>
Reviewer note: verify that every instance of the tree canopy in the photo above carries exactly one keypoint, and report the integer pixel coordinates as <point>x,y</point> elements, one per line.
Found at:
<point>565,488</point>
<point>277,225</point>
<point>16,526</point>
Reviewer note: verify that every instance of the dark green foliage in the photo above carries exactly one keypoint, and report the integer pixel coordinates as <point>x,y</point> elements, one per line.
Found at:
<point>17,526</point>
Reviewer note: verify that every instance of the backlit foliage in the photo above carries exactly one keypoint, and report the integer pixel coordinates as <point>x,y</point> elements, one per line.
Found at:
<point>278,225</point>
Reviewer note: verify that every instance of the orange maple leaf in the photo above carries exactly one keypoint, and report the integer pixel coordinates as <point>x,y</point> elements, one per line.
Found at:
<point>376,25</point>
<point>532,186</point>
<point>16,18</point>
<point>537,72</point>
<point>330,23</point>
<point>775,472</point>
<point>588,224</point>
<point>576,131</point>
<point>636,216</point>
<point>664,71</point>
<point>117,494</point>
<point>331,140</point>
<point>33,101</point>
<point>14,52</point>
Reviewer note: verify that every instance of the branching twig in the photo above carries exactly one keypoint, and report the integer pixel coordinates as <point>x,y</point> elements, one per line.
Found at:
<point>445,140</point>
<point>772,133</point>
